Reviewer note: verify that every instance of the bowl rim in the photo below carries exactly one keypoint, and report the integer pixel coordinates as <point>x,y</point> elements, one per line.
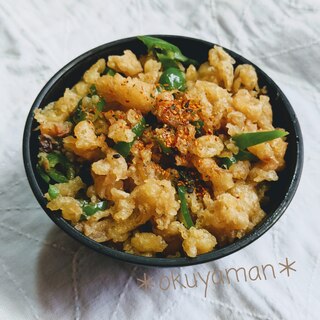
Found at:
<point>256,233</point>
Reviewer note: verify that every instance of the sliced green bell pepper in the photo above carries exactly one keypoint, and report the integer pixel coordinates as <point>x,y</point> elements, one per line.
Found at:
<point>89,209</point>
<point>249,139</point>
<point>53,191</point>
<point>163,147</point>
<point>184,210</point>
<point>57,176</point>
<point>165,51</point>
<point>47,167</point>
<point>124,147</point>
<point>226,163</point>
<point>42,173</point>
<point>93,90</point>
<point>173,78</point>
<point>79,114</point>
<point>109,72</point>
<point>242,155</point>
<point>198,124</point>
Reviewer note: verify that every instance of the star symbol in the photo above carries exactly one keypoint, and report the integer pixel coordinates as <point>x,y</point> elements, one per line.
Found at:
<point>287,267</point>
<point>146,282</point>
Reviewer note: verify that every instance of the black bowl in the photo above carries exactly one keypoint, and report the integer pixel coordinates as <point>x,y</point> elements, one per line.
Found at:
<point>281,192</point>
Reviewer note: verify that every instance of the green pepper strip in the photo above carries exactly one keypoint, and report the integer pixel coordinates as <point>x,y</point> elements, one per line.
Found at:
<point>242,155</point>
<point>198,124</point>
<point>166,62</point>
<point>101,104</point>
<point>226,162</point>
<point>93,90</point>
<point>99,108</point>
<point>54,158</point>
<point>249,139</point>
<point>53,191</point>
<point>246,140</point>
<point>168,51</point>
<point>173,78</point>
<point>51,172</point>
<point>57,176</point>
<point>79,114</point>
<point>109,72</point>
<point>124,147</point>
<point>164,148</point>
<point>90,209</point>
<point>185,214</point>
<point>42,173</point>
<point>58,158</point>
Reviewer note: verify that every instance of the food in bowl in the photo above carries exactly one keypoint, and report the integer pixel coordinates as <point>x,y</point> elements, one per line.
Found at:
<point>158,155</point>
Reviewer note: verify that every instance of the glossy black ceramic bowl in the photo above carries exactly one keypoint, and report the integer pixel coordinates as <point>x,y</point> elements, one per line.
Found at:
<point>281,192</point>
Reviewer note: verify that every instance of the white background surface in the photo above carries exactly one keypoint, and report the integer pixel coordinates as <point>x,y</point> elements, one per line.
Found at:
<point>44,274</point>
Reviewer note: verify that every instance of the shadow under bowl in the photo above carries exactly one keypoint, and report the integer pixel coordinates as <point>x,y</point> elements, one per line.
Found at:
<point>280,193</point>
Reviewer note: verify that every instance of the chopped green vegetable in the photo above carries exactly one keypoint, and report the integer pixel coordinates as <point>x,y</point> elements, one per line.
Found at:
<point>165,51</point>
<point>124,147</point>
<point>245,140</point>
<point>166,62</point>
<point>47,167</point>
<point>101,104</point>
<point>42,173</point>
<point>173,78</point>
<point>164,148</point>
<point>55,158</point>
<point>53,191</point>
<point>226,162</point>
<point>243,155</point>
<point>57,176</point>
<point>139,127</point>
<point>199,127</point>
<point>93,90</point>
<point>185,214</point>
<point>99,108</point>
<point>79,114</point>
<point>109,72</point>
<point>90,209</point>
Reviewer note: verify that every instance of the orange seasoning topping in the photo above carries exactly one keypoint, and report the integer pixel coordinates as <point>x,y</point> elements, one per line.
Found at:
<point>176,112</point>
